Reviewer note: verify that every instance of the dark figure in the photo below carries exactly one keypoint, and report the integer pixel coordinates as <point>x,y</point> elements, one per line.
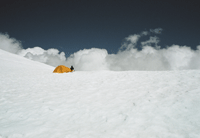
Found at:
<point>72,68</point>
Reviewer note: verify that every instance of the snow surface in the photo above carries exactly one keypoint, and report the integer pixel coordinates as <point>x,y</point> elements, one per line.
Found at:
<point>36,103</point>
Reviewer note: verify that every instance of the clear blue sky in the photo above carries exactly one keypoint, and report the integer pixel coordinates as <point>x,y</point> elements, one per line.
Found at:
<point>71,25</point>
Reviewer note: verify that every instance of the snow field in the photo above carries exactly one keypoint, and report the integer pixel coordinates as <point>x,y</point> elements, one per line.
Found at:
<point>34,102</point>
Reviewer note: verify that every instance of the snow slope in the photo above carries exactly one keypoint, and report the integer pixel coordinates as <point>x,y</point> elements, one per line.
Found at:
<point>36,103</point>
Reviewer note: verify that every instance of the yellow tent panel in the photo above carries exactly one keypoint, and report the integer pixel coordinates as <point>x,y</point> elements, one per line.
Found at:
<point>62,69</point>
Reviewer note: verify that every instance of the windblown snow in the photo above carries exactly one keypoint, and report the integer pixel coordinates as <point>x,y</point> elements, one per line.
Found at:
<point>36,103</point>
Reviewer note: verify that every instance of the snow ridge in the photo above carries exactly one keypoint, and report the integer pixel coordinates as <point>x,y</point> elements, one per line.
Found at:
<point>34,102</point>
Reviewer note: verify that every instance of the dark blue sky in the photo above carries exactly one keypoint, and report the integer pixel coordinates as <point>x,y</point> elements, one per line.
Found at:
<point>71,25</point>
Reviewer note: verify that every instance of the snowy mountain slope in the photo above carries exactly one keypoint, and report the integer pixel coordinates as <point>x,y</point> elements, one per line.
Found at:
<point>11,60</point>
<point>34,102</point>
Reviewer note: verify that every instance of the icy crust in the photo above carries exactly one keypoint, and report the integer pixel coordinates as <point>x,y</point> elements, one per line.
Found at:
<point>101,104</point>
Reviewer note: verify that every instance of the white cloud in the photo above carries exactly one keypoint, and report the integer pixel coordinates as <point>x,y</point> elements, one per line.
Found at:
<point>152,40</point>
<point>149,58</point>
<point>89,59</point>
<point>178,57</point>
<point>9,44</point>
<point>144,33</point>
<point>131,42</point>
<point>51,56</point>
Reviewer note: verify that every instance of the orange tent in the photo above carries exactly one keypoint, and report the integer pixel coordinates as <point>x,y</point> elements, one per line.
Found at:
<point>62,69</point>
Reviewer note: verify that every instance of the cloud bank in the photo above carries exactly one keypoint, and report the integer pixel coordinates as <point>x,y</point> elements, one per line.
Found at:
<point>150,58</point>
<point>51,56</point>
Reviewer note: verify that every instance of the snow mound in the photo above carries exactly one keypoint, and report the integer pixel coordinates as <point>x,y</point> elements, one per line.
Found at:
<point>14,63</point>
<point>34,102</point>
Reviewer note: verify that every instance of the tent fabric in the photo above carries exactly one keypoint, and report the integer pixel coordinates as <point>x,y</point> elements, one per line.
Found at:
<point>62,69</point>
